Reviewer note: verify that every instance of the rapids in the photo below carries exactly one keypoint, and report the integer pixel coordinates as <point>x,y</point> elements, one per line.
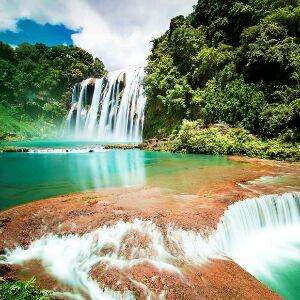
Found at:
<point>256,233</point>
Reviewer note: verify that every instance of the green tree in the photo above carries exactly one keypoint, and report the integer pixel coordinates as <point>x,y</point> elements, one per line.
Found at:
<point>235,61</point>
<point>36,81</point>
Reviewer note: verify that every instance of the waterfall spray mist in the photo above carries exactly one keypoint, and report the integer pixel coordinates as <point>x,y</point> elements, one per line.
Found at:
<point>250,233</point>
<point>113,112</point>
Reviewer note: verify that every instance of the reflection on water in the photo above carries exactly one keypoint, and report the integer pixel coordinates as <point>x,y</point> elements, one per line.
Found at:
<point>110,168</point>
<point>26,176</point>
<point>30,176</point>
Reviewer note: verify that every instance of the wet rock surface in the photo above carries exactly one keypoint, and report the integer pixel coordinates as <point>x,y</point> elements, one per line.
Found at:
<point>84,212</point>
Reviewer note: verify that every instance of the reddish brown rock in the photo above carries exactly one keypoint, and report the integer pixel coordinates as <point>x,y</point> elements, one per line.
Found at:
<point>200,209</point>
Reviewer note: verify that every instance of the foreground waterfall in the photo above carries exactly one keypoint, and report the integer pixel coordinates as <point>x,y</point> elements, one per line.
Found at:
<point>252,232</point>
<point>108,109</point>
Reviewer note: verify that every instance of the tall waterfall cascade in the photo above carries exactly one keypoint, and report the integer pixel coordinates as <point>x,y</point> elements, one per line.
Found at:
<point>109,108</point>
<point>253,233</point>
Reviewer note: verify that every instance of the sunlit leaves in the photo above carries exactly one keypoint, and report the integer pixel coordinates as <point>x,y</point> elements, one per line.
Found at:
<point>38,79</point>
<point>229,61</point>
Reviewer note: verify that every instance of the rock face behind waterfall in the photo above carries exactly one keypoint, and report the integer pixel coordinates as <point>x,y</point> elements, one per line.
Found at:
<point>109,108</point>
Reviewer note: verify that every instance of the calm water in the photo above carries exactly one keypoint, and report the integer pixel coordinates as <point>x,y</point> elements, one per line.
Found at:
<point>30,176</point>
<point>25,177</point>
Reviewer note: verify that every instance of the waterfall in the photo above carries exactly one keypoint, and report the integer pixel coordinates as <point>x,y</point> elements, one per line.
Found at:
<point>252,233</point>
<point>255,216</point>
<point>262,235</point>
<point>108,109</point>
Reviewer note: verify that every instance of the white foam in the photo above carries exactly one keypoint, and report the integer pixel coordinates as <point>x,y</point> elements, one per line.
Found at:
<point>65,150</point>
<point>253,233</point>
<point>116,110</point>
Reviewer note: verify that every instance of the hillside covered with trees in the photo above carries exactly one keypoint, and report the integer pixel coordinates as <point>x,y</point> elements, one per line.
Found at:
<point>223,80</point>
<point>233,62</point>
<point>36,84</point>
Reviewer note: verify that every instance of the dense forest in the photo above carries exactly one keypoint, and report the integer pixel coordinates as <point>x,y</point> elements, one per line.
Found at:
<point>232,62</point>
<point>223,80</point>
<point>36,84</point>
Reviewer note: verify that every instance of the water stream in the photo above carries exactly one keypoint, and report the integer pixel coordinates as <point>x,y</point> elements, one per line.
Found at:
<point>29,176</point>
<point>262,235</point>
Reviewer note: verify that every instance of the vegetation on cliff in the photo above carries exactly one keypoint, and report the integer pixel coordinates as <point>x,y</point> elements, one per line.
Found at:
<point>220,139</point>
<point>233,62</point>
<point>14,126</point>
<point>36,84</point>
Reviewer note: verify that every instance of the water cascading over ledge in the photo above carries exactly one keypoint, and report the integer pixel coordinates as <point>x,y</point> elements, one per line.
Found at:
<point>109,108</point>
<point>257,233</point>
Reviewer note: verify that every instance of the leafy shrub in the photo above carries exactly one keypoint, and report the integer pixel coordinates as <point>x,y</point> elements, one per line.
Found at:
<point>224,140</point>
<point>234,103</point>
<point>20,290</point>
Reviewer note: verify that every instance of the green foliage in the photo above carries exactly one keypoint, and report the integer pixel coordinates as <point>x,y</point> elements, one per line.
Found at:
<point>20,290</point>
<point>6,52</point>
<point>36,81</point>
<point>6,86</point>
<point>270,50</point>
<point>235,103</point>
<point>209,61</point>
<point>281,117</point>
<point>14,127</point>
<point>233,61</point>
<point>192,137</point>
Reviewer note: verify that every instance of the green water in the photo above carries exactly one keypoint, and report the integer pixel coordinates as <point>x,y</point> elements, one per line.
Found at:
<point>284,277</point>
<point>25,177</point>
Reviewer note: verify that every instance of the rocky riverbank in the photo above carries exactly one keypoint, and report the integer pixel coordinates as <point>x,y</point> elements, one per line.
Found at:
<point>85,212</point>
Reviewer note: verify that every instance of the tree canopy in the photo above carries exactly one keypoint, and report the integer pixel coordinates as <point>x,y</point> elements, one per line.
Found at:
<point>229,61</point>
<point>36,80</point>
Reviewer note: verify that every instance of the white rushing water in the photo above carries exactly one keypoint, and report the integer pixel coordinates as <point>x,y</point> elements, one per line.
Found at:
<point>254,233</point>
<point>66,150</point>
<point>108,109</point>
<point>260,232</point>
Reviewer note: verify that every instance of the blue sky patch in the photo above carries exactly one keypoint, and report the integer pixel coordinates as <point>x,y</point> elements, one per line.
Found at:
<point>32,32</point>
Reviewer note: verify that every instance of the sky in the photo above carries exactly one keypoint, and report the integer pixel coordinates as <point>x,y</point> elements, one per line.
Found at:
<point>117,31</point>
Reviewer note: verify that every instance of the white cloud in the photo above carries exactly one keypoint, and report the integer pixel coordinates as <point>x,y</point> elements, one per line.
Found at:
<point>116,31</point>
